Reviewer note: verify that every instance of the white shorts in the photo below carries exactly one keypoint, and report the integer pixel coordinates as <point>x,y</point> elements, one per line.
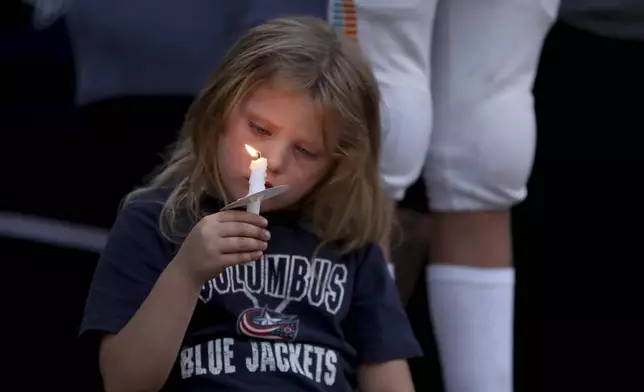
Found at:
<point>456,79</point>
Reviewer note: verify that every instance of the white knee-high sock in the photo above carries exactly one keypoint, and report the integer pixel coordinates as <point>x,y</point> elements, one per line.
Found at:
<point>473,311</point>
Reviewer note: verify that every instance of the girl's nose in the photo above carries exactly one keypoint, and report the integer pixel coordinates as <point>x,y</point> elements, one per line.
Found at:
<point>277,156</point>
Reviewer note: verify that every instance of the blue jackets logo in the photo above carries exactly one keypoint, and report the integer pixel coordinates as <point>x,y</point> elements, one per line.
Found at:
<point>267,324</point>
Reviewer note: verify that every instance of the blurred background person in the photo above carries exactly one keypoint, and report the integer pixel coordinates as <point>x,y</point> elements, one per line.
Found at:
<point>456,79</point>
<point>587,104</point>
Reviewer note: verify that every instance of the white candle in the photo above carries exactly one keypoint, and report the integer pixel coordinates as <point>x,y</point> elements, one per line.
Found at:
<point>257,181</point>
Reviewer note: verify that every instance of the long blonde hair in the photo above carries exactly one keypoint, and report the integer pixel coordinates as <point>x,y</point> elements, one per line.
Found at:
<point>347,207</point>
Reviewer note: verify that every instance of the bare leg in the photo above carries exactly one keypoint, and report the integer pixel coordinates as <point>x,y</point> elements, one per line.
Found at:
<point>477,239</point>
<point>471,293</point>
<point>409,249</point>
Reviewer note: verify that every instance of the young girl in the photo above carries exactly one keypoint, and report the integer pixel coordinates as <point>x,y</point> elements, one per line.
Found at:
<point>178,301</point>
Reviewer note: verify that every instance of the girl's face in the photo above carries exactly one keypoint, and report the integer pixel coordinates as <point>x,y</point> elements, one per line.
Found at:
<point>286,128</point>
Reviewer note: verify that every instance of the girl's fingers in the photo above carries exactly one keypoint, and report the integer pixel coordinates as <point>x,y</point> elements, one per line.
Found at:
<point>241,245</point>
<point>242,229</point>
<point>239,258</point>
<point>241,216</point>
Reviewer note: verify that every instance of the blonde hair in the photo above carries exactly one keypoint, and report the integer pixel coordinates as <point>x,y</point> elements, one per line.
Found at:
<point>347,207</point>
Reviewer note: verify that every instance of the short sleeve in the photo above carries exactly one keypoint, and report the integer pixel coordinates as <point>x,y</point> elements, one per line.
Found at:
<point>135,255</point>
<point>378,325</point>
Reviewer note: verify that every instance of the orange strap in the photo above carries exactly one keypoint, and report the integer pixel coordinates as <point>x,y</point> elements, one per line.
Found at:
<point>344,17</point>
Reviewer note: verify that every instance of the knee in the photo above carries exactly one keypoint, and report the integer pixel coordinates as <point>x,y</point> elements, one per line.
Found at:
<point>481,160</point>
<point>406,124</point>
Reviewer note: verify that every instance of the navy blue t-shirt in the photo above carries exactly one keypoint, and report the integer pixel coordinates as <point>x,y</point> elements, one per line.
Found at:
<point>281,323</point>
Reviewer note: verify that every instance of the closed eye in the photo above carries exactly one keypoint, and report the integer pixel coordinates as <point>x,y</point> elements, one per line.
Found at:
<point>305,152</point>
<point>258,129</point>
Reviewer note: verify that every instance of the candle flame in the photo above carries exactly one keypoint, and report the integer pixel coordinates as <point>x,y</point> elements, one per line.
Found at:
<point>253,153</point>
